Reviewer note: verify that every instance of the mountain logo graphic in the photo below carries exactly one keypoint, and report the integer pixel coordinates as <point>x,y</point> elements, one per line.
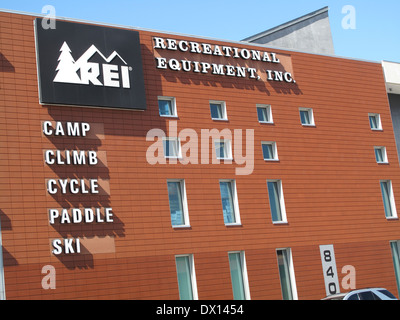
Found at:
<point>84,72</point>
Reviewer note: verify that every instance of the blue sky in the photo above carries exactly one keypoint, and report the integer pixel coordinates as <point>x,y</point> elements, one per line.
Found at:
<point>376,35</point>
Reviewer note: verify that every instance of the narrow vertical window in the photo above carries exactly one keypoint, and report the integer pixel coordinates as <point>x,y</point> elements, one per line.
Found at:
<point>395,246</point>
<point>218,110</point>
<point>375,121</point>
<point>270,151</point>
<point>229,200</point>
<point>388,199</point>
<point>186,277</point>
<point>286,274</point>
<point>307,117</point>
<point>177,203</point>
<point>380,155</point>
<point>172,148</point>
<point>167,107</point>
<point>276,201</point>
<point>223,149</point>
<point>264,114</point>
<point>2,286</point>
<point>240,285</point>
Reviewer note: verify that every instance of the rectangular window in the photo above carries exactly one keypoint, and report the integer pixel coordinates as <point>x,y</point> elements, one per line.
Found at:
<point>276,201</point>
<point>380,155</point>
<point>167,106</point>
<point>270,151</point>
<point>223,149</point>
<point>172,148</point>
<point>388,199</point>
<point>230,206</point>
<point>264,113</point>
<point>306,117</point>
<point>375,121</point>
<point>177,203</point>
<point>286,274</point>
<point>2,286</point>
<point>240,283</point>
<point>218,110</point>
<point>395,246</point>
<point>186,277</point>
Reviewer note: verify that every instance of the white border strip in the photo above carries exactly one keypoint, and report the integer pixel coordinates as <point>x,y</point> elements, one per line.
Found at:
<point>2,284</point>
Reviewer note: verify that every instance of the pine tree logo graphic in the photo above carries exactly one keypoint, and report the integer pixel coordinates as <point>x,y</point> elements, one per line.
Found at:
<point>66,69</point>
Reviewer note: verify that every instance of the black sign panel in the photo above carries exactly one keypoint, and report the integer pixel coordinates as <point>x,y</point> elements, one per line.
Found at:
<point>86,65</point>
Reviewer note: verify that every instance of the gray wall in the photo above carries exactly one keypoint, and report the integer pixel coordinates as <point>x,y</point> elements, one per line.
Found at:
<point>311,35</point>
<point>394,100</point>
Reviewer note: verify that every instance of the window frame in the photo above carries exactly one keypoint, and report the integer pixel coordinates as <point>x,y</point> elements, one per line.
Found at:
<point>392,202</point>
<point>268,109</point>
<point>353,296</point>
<point>2,283</point>
<point>274,150</point>
<point>173,106</point>
<point>368,294</point>
<point>235,203</point>
<point>245,278</point>
<point>179,149</point>
<point>292,276</point>
<point>227,148</point>
<point>377,116</point>
<point>395,250</point>
<point>310,112</point>
<point>192,271</point>
<point>384,155</point>
<point>224,113</point>
<point>281,202</point>
<point>184,204</point>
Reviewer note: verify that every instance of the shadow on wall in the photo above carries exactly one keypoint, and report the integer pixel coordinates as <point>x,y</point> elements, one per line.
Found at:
<point>118,123</point>
<point>5,65</point>
<point>8,258</point>
<point>83,260</point>
<point>245,80</point>
<point>5,224</point>
<point>105,124</point>
<point>97,228</point>
<point>283,87</point>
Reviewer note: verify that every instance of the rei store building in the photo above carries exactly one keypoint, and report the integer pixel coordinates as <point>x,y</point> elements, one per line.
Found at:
<point>137,164</point>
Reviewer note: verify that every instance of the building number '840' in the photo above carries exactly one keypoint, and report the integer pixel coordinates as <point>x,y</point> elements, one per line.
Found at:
<point>330,272</point>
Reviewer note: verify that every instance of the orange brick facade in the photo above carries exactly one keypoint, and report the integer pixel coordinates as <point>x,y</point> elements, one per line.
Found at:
<point>329,175</point>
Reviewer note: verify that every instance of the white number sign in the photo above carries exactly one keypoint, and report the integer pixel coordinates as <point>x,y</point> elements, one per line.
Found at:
<point>329,269</point>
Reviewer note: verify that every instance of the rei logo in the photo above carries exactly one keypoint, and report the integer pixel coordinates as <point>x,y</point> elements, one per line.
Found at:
<point>82,71</point>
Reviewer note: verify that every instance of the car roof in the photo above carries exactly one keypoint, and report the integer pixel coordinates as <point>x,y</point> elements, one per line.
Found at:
<point>365,289</point>
<point>335,296</point>
<point>340,295</point>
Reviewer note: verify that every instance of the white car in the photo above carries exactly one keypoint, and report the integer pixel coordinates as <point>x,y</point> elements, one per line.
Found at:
<point>363,294</point>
